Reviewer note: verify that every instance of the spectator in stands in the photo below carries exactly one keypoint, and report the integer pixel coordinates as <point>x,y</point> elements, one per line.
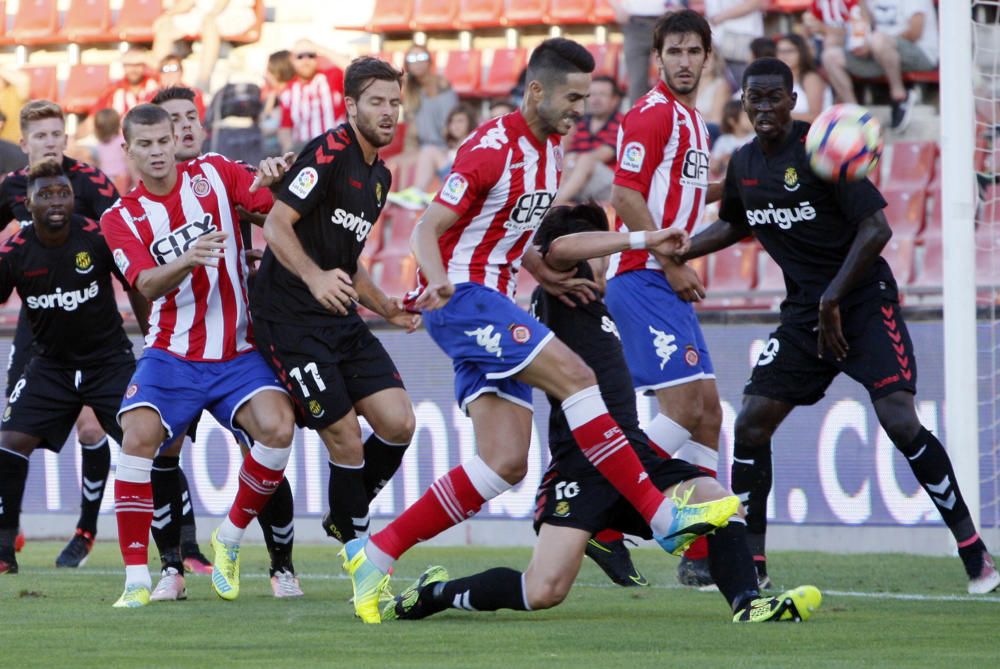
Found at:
<point>637,19</point>
<point>714,90</point>
<point>12,158</point>
<point>736,131</point>
<point>763,47</point>
<point>171,73</point>
<point>501,107</point>
<point>427,100</point>
<point>313,102</point>
<point>589,166</point>
<point>814,94</point>
<point>280,72</point>
<point>15,89</point>
<point>735,25</point>
<point>208,21</point>
<point>131,89</point>
<point>108,154</point>
<point>903,39</point>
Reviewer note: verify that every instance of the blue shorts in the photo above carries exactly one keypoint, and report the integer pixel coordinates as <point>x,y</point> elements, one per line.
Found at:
<point>489,339</point>
<point>179,390</point>
<point>663,342</point>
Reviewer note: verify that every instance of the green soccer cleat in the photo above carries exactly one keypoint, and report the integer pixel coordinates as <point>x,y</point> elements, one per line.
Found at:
<point>795,605</point>
<point>225,568</point>
<point>135,595</point>
<point>403,603</point>
<point>694,520</point>
<point>368,581</point>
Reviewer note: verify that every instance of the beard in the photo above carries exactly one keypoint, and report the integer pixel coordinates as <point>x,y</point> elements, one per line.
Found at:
<point>370,131</point>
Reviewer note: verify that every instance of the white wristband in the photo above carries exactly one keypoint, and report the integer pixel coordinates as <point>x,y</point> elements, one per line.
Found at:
<point>637,240</point>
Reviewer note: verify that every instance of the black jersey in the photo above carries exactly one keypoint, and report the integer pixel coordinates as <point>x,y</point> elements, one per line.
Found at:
<point>339,197</point>
<point>806,224</point>
<point>590,332</point>
<point>93,192</point>
<point>66,291</point>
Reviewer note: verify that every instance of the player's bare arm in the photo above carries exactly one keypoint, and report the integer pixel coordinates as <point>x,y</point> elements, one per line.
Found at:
<point>719,235</point>
<point>156,282</point>
<point>332,288</point>
<point>390,308</point>
<point>714,192</point>
<point>424,242</point>
<point>559,283</point>
<point>269,172</point>
<point>140,309</point>
<point>565,252</point>
<point>873,234</point>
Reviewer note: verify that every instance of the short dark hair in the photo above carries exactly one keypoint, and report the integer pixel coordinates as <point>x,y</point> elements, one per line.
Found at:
<point>605,79</point>
<point>680,22</point>
<point>45,170</point>
<point>174,93</point>
<point>144,114</point>
<point>557,57</point>
<point>364,71</point>
<point>565,220</point>
<point>766,66</point>
<point>763,47</point>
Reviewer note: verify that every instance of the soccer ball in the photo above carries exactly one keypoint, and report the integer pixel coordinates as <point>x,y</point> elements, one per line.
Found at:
<point>844,142</point>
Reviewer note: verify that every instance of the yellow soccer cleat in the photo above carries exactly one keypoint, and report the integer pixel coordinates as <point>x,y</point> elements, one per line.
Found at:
<point>796,605</point>
<point>404,605</point>
<point>368,581</point>
<point>225,568</point>
<point>135,595</point>
<point>694,520</point>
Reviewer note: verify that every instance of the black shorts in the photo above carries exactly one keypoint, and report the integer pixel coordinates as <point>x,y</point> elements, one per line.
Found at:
<point>326,369</point>
<point>20,351</point>
<point>574,494</point>
<point>880,357</point>
<point>47,399</point>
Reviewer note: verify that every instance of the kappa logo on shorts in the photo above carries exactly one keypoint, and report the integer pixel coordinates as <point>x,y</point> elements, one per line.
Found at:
<point>690,356</point>
<point>489,340</point>
<point>520,333</point>
<point>201,186</point>
<point>131,391</point>
<point>664,345</point>
<point>84,263</point>
<point>316,409</point>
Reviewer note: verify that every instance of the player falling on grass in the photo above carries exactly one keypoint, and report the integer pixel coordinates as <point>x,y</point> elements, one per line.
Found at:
<point>176,239</point>
<point>62,270</point>
<point>469,245</point>
<point>841,313</point>
<point>661,181</point>
<point>173,525</point>
<point>574,501</point>
<point>43,138</point>
<point>305,299</point>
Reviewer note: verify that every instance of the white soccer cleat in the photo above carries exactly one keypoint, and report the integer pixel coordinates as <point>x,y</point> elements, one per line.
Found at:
<point>285,584</point>
<point>170,588</point>
<point>988,579</point>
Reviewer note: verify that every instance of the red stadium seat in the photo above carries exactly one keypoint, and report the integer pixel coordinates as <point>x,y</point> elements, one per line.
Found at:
<point>84,86</point>
<point>905,210</point>
<point>732,270</point>
<point>770,284</point>
<point>135,20</point>
<point>606,58</point>
<point>603,12</point>
<point>463,71</point>
<point>395,274</point>
<point>789,6</point>
<point>911,165</point>
<point>504,72</point>
<point>392,16</point>
<point>562,12</point>
<point>899,253</point>
<point>44,85</point>
<point>480,13</point>
<point>932,226</point>
<point>36,22</point>
<point>400,223</point>
<point>525,12</point>
<point>931,274</point>
<point>434,14</point>
<point>87,22</point>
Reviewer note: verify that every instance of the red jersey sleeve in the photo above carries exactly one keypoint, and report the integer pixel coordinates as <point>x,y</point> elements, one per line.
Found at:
<point>644,133</point>
<point>478,166</point>
<point>129,252</point>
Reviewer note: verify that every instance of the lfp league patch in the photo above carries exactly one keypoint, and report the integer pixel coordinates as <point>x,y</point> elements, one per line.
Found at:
<point>454,189</point>
<point>633,156</point>
<point>304,182</point>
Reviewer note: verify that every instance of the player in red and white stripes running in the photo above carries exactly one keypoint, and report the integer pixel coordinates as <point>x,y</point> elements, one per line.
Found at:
<point>469,245</point>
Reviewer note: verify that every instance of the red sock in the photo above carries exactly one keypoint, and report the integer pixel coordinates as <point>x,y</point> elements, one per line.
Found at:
<point>607,536</point>
<point>257,484</point>
<point>698,550</point>
<point>134,512</point>
<point>450,500</point>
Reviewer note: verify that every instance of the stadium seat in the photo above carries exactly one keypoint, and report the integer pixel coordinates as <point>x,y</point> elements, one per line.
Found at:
<point>392,16</point>
<point>400,223</point>
<point>732,270</point>
<point>905,210</point>
<point>562,12</point>
<point>463,70</point>
<point>525,12</point>
<point>935,183</point>
<point>770,284</point>
<point>504,72</point>
<point>480,13</point>
<point>44,85</point>
<point>932,225</point>
<point>84,86</point>
<point>931,272</point>
<point>899,253</point>
<point>135,20</point>
<point>395,274</point>
<point>36,22</point>
<point>434,14</point>
<point>910,165</point>
<point>606,57</point>
<point>603,12</point>
<point>789,6</point>
<point>87,22</point>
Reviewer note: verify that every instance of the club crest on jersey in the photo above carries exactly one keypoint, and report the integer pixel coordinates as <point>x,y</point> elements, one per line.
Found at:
<point>131,391</point>
<point>304,182</point>
<point>694,171</point>
<point>632,157</point>
<point>519,333</point>
<point>791,180</point>
<point>200,186</point>
<point>454,189</point>
<point>690,356</point>
<point>527,212</point>
<point>173,245</point>
<point>316,409</point>
<point>84,264</point>
<point>562,509</point>
<point>378,193</point>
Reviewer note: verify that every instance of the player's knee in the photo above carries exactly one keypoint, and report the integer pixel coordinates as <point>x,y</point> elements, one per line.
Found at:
<point>711,417</point>
<point>750,436</point>
<point>577,373</point>
<point>276,429</point>
<point>89,433</point>
<point>141,441</point>
<point>902,429</point>
<point>512,470</point>
<point>401,429</point>
<point>547,592</point>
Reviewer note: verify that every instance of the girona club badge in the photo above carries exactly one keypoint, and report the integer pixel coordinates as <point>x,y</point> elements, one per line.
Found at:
<point>131,391</point>
<point>520,333</point>
<point>691,356</point>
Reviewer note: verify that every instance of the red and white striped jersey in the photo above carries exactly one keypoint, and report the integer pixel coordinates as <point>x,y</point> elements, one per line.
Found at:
<point>312,107</point>
<point>206,317</point>
<point>834,13</point>
<point>501,184</point>
<point>663,152</point>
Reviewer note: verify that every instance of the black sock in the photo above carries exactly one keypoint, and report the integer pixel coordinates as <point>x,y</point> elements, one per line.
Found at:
<point>96,459</point>
<point>189,531</point>
<point>382,459</point>
<point>277,521</point>
<point>490,590</point>
<point>348,502</point>
<point>931,465</point>
<point>751,482</point>
<point>13,474</point>
<point>166,528</point>
<point>731,565</point>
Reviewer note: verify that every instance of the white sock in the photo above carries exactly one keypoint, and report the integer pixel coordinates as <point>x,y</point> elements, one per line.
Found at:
<point>133,469</point>
<point>666,433</point>
<point>699,455</point>
<point>660,524</point>
<point>382,560</point>
<point>229,534</point>
<point>272,458</point>
<point>138,574</point>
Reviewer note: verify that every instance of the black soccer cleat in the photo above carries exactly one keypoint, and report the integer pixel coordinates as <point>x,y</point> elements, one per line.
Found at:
<point>194,560</point>
<point>614,559</point>
<point>77,551</point>
<point>694,573</point>
<point>8,563</point>
<point>333,531</point>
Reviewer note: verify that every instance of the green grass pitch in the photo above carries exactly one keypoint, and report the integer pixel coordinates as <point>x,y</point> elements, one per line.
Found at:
<point>878,611</point>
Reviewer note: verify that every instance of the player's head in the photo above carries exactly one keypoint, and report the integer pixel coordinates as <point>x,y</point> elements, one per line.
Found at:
<point>189,135</point>
<point>43,131</point>
<point>171,71</point>
<point>305,60</point>
<point>50,195</point>
<point>682,41</point>
<point>768,97</point>
<point>149,140</point>
<point>373,96</point>
<point>557,83</point>
<point>566,220</point>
